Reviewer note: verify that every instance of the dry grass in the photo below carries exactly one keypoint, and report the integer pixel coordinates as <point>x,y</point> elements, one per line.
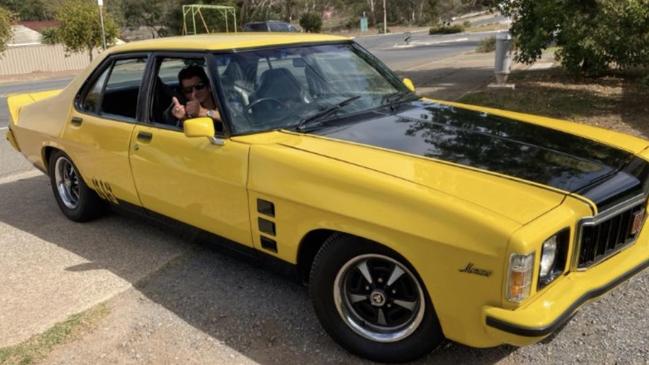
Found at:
<point>39,346</point>
<point>487,27</point>
<point>618,102</point>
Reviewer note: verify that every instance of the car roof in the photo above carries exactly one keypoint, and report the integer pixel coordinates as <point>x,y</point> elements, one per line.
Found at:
<point>225,41</point>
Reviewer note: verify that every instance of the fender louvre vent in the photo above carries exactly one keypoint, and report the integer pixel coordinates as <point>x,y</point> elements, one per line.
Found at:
<point>268,244</point>
<point>265,207</point>
<point>266,226</point>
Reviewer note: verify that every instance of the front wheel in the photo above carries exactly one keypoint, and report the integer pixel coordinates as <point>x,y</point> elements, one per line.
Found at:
<point>371,302</point>
<point>77,201</point>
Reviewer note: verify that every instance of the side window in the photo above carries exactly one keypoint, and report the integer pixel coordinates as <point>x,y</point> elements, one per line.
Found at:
<point>91,101</point>
<point>123,87</point>
<point>166,86</point>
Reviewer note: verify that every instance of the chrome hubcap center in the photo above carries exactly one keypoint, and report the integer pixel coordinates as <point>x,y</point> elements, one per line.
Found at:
<point>377,298</point>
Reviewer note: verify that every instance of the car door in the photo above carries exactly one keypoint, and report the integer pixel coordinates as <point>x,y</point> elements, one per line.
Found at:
<point>98,134</point>
<point>191,180</point>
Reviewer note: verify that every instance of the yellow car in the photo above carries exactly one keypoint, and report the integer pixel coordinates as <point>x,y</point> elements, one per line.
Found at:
<point>411,220</point>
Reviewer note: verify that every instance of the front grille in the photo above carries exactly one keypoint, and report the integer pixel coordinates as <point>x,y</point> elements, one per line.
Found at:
<point>604,235</point>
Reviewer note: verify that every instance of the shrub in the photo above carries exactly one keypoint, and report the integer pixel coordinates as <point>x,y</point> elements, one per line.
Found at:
<point>644,81</point>
<point>379,28</point>
<point>466,24</point>
<point>593,36</point>
<point>311,22</point>
<point>50,36</point>
<point>446,29</point>
<point>487,45</point>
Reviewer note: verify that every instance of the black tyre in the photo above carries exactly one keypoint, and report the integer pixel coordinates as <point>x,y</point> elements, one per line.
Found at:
<point>372,302</point>
<point>77,201</point>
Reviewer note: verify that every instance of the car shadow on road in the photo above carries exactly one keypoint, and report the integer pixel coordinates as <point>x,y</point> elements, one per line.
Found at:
<point>262,315</point>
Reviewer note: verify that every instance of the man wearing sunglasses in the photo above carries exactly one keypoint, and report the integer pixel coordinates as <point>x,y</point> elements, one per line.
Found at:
<point>195,87</point>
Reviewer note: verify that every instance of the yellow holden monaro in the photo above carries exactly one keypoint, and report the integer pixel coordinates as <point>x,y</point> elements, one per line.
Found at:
<point>412,220</point>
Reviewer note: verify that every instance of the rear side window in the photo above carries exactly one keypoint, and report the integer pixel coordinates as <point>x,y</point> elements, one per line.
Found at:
<point>120,95</point>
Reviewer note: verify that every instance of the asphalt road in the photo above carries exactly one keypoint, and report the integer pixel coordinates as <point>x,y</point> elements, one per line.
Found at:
<point>421,49</point>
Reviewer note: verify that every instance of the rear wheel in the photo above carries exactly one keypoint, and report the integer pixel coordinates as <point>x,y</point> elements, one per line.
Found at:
<point>77,201</point>
<point>370,301</point>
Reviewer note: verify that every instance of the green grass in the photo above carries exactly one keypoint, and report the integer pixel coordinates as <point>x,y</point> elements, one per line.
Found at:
<point>39,346</point>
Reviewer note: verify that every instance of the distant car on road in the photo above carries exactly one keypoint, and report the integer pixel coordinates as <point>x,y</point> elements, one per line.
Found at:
<point>270,26</point>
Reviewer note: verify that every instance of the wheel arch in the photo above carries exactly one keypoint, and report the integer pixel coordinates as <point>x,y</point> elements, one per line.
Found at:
<point>313,241</point>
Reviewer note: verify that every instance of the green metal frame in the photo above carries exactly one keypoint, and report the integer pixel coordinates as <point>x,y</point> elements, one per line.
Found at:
<point>196,9</point>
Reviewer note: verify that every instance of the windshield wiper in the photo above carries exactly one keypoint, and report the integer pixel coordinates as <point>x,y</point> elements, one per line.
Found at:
<point>398,97</point>
<point>319,116</point>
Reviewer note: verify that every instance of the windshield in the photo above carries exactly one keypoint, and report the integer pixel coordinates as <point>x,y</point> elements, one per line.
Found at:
<point>282,87</point>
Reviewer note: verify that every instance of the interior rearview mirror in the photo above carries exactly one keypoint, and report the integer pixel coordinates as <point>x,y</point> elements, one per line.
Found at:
<point>409,84</point>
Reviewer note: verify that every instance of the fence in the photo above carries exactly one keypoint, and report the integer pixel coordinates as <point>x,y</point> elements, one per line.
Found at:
<point>40,58</point>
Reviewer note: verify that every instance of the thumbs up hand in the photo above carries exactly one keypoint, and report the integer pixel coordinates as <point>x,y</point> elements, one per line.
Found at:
<point>178,110</point>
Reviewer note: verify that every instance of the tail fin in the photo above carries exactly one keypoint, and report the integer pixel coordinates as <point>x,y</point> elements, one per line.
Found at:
<point>17,101</point>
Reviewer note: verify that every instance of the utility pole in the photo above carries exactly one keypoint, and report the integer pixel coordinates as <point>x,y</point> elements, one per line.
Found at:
<point>385,18</point>
<point>101,19</point>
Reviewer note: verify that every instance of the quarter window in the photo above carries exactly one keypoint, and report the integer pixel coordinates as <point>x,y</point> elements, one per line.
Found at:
<point>92,99</point>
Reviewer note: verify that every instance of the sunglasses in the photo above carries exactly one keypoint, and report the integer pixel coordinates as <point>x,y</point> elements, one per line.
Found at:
<point>197,87</point>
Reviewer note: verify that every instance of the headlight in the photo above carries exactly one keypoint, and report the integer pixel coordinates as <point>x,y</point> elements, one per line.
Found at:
<point>553,257</point>
<point>520,277</point>
<point>548,256</point>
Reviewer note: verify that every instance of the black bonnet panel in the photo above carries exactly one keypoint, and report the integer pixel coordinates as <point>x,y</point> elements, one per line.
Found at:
<point>523,150</point>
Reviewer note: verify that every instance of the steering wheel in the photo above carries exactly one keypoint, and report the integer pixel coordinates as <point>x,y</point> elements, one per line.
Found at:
<point>255,103</point>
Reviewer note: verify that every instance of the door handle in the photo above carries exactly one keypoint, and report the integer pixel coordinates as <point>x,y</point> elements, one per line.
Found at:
<point>76,121</point>
<point>144,136</point>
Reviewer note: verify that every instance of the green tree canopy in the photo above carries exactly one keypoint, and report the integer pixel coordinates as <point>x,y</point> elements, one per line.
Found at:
<point>593,35</point>
<point>80,29</point>
<point>6,20</point>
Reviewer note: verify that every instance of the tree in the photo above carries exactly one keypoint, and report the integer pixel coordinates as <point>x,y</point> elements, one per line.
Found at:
<point>311,22</point>
<point>593,35</point>
<point>147,13</point>
<point>6,20</point>
<point>28,9</point>
<point>80,28</point>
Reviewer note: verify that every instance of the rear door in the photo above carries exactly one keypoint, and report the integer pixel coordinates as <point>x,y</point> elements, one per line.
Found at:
<point>98,134</point>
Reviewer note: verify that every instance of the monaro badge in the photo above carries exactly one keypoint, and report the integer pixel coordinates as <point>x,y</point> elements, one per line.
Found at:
<point>470,269</point>
<point>638,220</point>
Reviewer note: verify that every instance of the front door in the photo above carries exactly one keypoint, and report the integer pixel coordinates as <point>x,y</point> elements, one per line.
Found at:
<point>189,179</point>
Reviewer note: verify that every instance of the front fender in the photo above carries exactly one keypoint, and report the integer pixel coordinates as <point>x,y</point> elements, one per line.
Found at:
<point>438,234</point>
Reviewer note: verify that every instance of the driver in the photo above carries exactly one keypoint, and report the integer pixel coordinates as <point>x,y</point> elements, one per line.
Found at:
<point>195,87</point>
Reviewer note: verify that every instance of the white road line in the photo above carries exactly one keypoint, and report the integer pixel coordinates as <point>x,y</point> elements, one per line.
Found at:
<point>419,43</point>
<point>1,128</point>
<point>20,176</point>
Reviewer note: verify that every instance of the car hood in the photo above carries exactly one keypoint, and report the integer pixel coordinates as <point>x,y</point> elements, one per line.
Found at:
<point>454,148</point>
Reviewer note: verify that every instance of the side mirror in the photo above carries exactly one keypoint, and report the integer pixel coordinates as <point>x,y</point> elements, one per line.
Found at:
<point>199,127</point>
<point>409,84</point>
